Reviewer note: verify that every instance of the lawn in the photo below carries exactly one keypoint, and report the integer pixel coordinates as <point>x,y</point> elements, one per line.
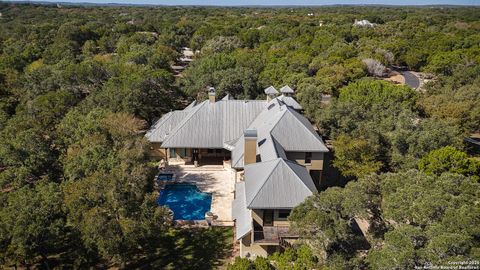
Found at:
<point>190,249</point>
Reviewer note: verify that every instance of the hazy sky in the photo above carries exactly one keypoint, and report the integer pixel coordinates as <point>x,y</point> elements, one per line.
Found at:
<point>279,2</point>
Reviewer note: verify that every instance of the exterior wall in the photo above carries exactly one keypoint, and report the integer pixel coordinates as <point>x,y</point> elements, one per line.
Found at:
<point>251,250</point>
<point>299,157</point>
<point>213,153</point>
<point>277,221</point>
<point>315,167</point>
<point>257,215</point>
<point>250,150</point>
<point>179,155</point>
<point>156,152</point>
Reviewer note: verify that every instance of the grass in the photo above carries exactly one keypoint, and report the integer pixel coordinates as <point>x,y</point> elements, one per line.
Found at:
<point>190,249</point>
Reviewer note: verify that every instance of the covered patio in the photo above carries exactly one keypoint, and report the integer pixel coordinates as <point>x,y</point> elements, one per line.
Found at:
<point>198,156</point>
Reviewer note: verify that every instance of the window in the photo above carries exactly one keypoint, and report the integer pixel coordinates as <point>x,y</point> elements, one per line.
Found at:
<point>268,217</point>
<point>173,154</point>
<point>308,158</point>
<point>258,158</point>
<point>218,151</point>
<point>183,152</point>
<point>283,214</point>
<point>210,151</point>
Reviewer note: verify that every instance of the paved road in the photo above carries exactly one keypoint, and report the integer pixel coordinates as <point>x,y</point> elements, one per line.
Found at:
<point>410,79</point>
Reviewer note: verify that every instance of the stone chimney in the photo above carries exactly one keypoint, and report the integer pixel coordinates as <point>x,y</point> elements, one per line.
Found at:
<point>250,146</point>
<point>211,94</point>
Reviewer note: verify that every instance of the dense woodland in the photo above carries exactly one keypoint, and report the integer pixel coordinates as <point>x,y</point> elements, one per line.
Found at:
<point>79,85</point>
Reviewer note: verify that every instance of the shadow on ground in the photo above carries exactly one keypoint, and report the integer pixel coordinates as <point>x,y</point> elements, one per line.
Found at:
<point>189,249</point>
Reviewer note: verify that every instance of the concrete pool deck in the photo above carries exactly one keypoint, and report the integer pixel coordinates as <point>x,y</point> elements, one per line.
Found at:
<point>216,180</point>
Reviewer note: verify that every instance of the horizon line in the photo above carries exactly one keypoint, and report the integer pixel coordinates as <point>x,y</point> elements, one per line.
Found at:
<point>86,3</point>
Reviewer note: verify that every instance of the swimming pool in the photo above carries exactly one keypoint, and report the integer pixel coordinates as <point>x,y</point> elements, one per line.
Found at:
<point>165,177</point>
<point>186,201</point>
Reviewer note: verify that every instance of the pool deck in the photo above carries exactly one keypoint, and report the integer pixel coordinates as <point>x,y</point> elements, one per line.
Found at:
<point>216,180</point>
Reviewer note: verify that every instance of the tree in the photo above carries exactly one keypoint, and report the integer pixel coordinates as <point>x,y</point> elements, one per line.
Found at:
<point>449,159</point>
<point>108,187</point>
<point>374,67</point>
<point>222,44</point>
<point>32,224</point>
<point>437,225</point>
<point>355,156</point>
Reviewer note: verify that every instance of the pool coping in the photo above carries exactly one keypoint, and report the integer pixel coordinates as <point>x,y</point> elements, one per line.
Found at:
<point>178,179</point>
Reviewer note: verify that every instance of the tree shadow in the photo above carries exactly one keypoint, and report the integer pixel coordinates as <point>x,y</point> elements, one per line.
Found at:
<point>197,248</point>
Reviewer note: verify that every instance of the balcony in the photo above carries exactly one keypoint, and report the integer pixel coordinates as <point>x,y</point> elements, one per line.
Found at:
<point>272,234</point>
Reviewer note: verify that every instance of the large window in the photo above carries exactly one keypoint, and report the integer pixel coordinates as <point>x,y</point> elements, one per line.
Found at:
<point>173,154</point>
<point>283,214</point>
<point>308,158</point>
<point>183,152</point>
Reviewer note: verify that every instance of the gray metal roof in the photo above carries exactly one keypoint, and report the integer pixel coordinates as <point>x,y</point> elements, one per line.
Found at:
<point>160,130</point>
<point>290,102</point>
<point>211,125</point>
<point>240,213</point>
<point>270,90</point>
<point>278,184</point>
<point>227,97</point>
<point>286,90</point>
<point>280,129</point>
<point>295,133</point>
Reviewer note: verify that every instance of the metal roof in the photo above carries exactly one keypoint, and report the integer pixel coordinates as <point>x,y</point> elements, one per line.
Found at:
<point>286,90</point>
<point>210,125</point>
<point>240,213</point>
<point>280,129</point>
<point>160,130</point>
<point>278,184</point>
<point>295,133</point>
<point>290,102</point>
<point>270,90</point>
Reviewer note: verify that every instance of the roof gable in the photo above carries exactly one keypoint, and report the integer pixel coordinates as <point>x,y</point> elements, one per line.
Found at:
<point>271,90</point>
<point>286,90</point>
<point>276,184</point>
<point>295,133</point>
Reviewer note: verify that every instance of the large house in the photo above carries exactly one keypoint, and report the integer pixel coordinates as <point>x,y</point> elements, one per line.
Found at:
<point>270,141</point>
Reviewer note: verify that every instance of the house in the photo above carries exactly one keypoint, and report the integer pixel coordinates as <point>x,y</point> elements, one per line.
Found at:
<point>363,23</point>
<point>269,142</point>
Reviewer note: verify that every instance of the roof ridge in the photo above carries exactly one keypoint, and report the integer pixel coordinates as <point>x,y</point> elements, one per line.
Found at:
<point>184,121</point>
<point>154,127</point>
<point>268,176</point>
<point>299,165</point>
<point>278,121</point>
<point>313,133</point>
<point>294,112</point>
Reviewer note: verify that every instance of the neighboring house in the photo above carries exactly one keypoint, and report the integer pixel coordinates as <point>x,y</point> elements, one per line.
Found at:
<point>364,23</point>
<point>277,148</point>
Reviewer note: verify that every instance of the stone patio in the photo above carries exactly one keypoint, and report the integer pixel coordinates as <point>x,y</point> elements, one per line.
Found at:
<point>216,180</point>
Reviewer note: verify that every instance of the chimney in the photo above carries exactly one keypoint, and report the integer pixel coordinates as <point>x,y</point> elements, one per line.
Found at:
<point>211,94</point>
<point>250,146</point>
<point>271,92</point>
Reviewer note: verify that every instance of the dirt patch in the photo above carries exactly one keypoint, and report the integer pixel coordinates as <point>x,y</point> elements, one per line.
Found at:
<point>395,77</point>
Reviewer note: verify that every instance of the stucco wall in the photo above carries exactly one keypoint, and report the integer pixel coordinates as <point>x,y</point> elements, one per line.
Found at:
<point>157,152</point>
<point>247,249</point>
<point>257,215</point>
<point>299,157</point>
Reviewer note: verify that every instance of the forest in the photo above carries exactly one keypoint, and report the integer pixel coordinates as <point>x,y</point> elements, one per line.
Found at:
<point>79,85</point>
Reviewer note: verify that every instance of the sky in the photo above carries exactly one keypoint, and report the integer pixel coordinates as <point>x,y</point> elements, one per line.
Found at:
<point>278,2</point>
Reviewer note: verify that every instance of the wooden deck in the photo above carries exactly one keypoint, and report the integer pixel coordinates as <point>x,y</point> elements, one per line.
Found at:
<point>272,234</point>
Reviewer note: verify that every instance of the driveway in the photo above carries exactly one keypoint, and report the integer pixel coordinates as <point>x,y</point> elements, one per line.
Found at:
<point>410,79</point>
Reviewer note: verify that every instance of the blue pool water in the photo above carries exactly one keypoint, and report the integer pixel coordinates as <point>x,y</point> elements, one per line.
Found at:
<point>186,201</point>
